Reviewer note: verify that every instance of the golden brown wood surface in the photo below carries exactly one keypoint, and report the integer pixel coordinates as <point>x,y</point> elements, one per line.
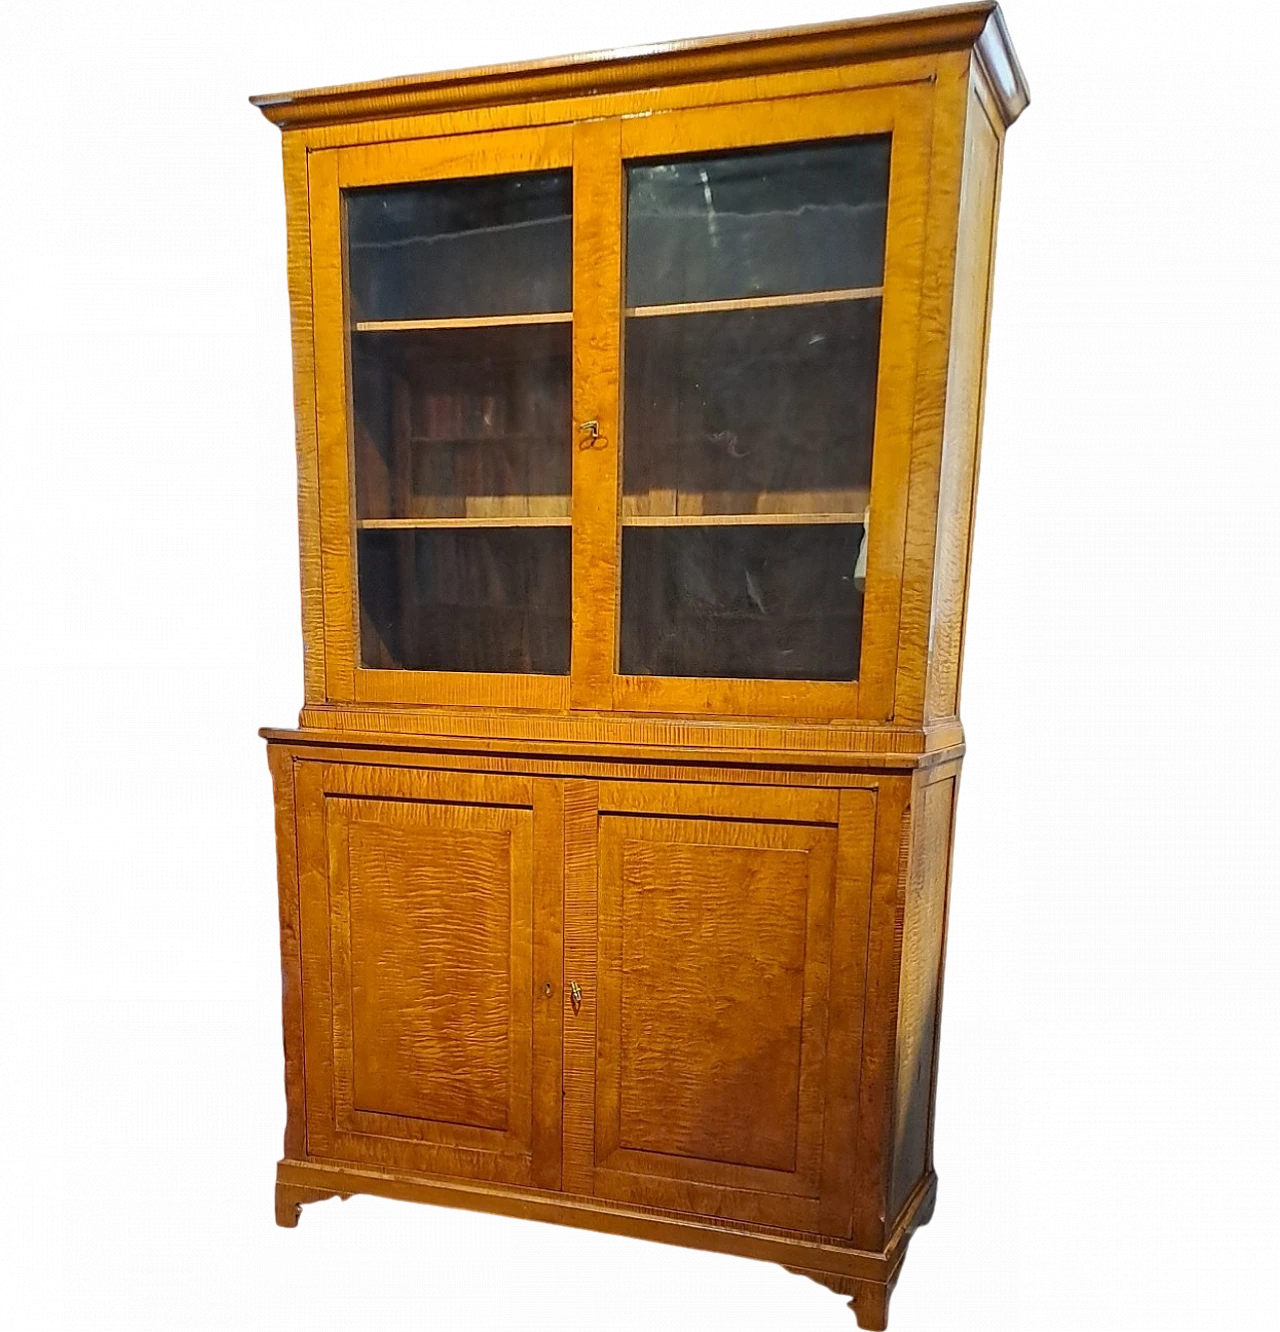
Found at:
<point>282,770</point>
<point>597,354</point>
<point>419,985</point>
<point>962,425</point>
<point>657,955</point>
<point>979,27</point>
<point>921,932</point>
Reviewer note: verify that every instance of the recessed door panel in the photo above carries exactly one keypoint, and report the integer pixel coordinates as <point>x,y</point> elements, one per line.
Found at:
<point>718,996</point>
<point>431,1043</point>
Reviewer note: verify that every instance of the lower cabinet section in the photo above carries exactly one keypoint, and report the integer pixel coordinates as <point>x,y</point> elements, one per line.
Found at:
<point>660,998</point>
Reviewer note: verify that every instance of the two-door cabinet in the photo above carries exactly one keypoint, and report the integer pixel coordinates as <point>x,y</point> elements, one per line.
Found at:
<point>638,403</point>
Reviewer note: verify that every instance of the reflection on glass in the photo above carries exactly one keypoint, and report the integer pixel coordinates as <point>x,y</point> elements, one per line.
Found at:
<point>465,599</point>
<point>462,423</point>
<point>485,246</point>
<point>760,223</point>
<point>751,411</point>
<point>776,602</point>
<point>460,343</point>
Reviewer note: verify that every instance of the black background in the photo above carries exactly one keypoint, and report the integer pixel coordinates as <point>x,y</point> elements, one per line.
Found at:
<point>542,1275</point>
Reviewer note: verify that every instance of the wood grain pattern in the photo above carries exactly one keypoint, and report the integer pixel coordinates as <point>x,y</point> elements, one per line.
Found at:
<point>590,105</point>
<point>962,423</point>
<point>750,54</point>
<point>541,148</point>
<point>685,1015</point>
<point>468,321</point>
<point>298,237</point>
<point>905,112</point>
<point>581,818</point>
<point>950,773</point>
<point>656,956</point>
<point>664,1226</point>
<point>598,231</point>
<point>879,1032</point>
<point>850,921</point>
<point>410,524</point>
<point>932,360</point>
<point>922,921</point>
<point>718,802</point>
<point>966,582</point>
<point>548,981</point>
<point>802,519</point>
<point>281,763</point>
<point>767,743</point>
<point>657,773</point>
<point>419,955</point>
<point>337,550</point>
<point>423,986</point>
<point>331,171</point>
<point>703,984</point>
<point>755,302</point>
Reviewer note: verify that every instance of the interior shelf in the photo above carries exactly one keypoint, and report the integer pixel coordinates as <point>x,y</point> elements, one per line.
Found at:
<point>757,302</point>
<point>468,321</point>
<point>738,519</point>
<point>409,524</point>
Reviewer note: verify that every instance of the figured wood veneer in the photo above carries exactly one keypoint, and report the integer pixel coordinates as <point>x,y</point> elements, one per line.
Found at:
<point>656,956</point>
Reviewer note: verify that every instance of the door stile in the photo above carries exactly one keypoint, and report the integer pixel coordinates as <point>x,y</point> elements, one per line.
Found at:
<point>581,817</point>
<point>548,1015</point>
<point>598,240</point>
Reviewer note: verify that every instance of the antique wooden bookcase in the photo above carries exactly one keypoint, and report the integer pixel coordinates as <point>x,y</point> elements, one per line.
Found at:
<point>638,403</point>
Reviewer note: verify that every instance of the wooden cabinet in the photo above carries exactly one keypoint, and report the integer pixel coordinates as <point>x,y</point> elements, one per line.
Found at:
<point>638,404</point>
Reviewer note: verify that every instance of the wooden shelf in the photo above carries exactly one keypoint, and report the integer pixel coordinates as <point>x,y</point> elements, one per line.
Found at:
<point>477,321</point>
<point>513,438</point>
<point>410,524</point>
<point>740,519</point>
<point>756,302</point>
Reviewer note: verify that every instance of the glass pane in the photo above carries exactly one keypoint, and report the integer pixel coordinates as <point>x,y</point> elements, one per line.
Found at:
<point>462,422</point>
<point>488,246</point>
<point>461,347</point>
<point>759,223</point>
<point>749,414</point>
<point>780,602</point>
<point>465,599</point>
<point>751,411</point>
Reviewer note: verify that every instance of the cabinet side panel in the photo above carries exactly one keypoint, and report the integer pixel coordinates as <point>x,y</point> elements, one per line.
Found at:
<point>936,306</point>
<point>298,222</point>
<point>893,831</point>
<point>923,929</point>
<point>961,436</point>
<point>281,764</point>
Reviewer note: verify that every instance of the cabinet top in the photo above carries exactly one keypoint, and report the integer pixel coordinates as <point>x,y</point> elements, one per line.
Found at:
<point>952,27</point>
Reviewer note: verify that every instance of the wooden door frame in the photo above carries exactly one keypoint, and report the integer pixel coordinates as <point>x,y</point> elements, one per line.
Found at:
<point>330,172</point>
<point>905,112</point>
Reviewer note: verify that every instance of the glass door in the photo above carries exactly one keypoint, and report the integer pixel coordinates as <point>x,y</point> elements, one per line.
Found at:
<point>453,431</point>
<point>771,254</point>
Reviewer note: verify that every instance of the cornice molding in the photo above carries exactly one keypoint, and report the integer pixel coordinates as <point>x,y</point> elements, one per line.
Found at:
<point>955,27</point>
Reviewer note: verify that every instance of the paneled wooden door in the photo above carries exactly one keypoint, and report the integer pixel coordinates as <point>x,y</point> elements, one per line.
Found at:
<point>716,937</point>
<point>430,916</point>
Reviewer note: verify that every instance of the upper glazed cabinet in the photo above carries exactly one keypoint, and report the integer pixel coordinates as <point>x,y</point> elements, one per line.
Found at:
<point>617,414</point>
